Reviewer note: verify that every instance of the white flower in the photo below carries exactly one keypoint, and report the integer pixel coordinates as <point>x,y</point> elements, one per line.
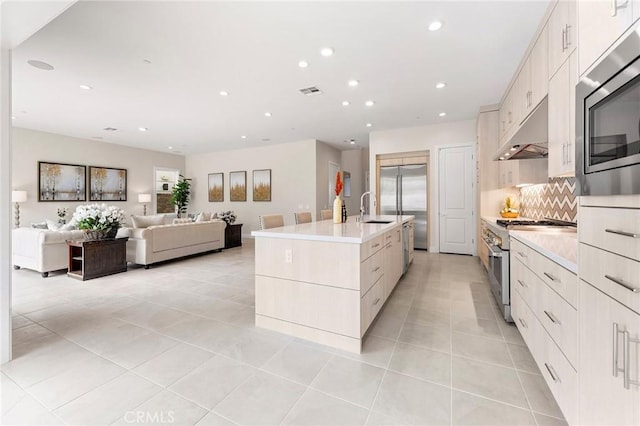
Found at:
<point>98,216</point>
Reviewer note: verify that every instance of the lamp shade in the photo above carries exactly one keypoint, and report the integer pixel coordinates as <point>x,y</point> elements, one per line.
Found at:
<point>144,198</point>
<point>18,196</point>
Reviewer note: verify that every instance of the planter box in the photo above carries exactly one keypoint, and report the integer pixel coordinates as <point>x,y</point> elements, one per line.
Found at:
<point>233,235</point>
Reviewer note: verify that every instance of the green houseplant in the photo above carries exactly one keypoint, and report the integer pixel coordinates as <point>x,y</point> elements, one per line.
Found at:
<point>180,194</point>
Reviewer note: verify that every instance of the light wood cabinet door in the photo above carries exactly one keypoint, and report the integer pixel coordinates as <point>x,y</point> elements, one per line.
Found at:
<point>562,34</point>
<point>539,71</point>
<point>522,92</point>
<point>601,23</point>
<point>636,10</point>
<point>562,113</point>
<point>609,332</point>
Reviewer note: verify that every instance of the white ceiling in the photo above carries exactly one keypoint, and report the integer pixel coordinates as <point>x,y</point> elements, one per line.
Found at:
<point>251,50</point>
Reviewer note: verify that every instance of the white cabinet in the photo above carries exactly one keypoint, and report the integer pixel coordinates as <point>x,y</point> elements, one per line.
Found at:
<point>538,82</point>
<point>393,264</point>
<point>518,172</point>
<point>562,113</point>
<point>488,144</point>
<point>601,23</point>
<point>609,393</point>
<point>562,34</point>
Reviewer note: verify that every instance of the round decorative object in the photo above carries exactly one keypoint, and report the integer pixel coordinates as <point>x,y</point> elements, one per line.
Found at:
<point>509,215</point>
<point>100,234</point>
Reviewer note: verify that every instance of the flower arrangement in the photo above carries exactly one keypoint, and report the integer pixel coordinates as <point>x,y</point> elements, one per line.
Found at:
<point>339,184</point>
<point>228,216</point>
<point>62,212</point>
<point>98,216</point>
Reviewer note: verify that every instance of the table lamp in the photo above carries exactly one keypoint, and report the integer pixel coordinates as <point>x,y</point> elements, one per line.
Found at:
<point>18,197</point>
<point>144,199</point>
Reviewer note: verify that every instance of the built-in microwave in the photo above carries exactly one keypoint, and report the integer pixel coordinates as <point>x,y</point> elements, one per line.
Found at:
<point>608,123</point>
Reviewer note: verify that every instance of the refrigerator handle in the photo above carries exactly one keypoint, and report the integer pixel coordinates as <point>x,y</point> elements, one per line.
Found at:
<point>400,205</point>
<point>397,193</point>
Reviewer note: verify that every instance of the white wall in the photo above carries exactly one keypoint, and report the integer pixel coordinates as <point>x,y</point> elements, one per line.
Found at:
<point>30,146</point>
<point>423,138</point>
<point>352,162</point>
<point>293,180</point>
<point>324,155</point>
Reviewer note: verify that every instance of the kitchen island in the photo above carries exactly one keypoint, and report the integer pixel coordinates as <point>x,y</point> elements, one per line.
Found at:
<point>326,282</point>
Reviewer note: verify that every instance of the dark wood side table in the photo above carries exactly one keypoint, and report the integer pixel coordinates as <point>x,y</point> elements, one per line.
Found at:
<point>93,259</point>
<point>233,235</point>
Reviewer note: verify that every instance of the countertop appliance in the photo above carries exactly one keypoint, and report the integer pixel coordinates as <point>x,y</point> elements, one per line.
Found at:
<point>608,123</point>
<point>403,191</point>
<point>495,235</point>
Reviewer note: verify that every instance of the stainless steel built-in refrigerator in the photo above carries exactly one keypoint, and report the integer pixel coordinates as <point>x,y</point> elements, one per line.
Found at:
<point>403,191</point>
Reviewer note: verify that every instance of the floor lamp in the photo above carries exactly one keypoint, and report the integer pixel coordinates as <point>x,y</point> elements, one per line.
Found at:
<point>144,199</point>
<point>18,197</point>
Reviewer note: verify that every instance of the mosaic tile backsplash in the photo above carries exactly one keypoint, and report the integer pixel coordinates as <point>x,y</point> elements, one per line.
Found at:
<point>555,199</point>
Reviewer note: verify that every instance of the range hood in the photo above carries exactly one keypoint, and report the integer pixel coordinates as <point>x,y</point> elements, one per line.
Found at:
<point>531,140</point>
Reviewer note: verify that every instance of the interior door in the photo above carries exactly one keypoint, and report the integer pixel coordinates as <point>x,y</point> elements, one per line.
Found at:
<point>456,199</point>
<point>413,200</point>
<point>389,192</point>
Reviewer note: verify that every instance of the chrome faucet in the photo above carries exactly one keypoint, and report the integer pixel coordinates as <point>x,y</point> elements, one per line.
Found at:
<point>362,203</point>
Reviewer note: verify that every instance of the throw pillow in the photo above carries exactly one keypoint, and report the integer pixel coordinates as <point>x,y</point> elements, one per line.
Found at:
<point>42,225</point>
<point>146,221</point>
<point>203,217</point>
<point>183,220</point>
<point>53,225</point>
<point>67,227</point>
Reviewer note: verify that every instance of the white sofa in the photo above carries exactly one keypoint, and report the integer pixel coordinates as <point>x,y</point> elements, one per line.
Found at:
<point>157,243</point>
<point>44,250</point>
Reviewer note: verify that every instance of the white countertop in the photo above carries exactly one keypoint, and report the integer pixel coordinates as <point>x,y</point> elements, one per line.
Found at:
<point>325,230</point>
<point>561,247</point>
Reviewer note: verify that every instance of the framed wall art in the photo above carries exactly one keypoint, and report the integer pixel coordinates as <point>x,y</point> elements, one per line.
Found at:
<point>262,185</point>
<point>238,186</point>
<point>61,182</point>
<point>107,184</point>
<point>216,187</point>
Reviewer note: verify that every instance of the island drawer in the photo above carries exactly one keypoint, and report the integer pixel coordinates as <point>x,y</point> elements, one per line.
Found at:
<point>614,275</point>
<point>521,252</point>
<point>371,247</point>
<point>524,282</point>
<point>371,270</point>
<point>524,318</point>
<point>561,280</point>
<point>611,229</point>
<point>370,305</point>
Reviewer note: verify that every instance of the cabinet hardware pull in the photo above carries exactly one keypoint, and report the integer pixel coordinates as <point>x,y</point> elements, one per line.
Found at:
<point>566,34</point>
<point>552,317</point>
<point>622,283</point>
<point>524,324</point>
<point>376,269</point>
<point>564,39</point>
<point>552,373</point>
<point>376,302</point>
<point>375,245</point>
<point>551,277</point>
<point>616,369</point>
<point>626,359</point>
<point>522,284</point>
<point>623,233</point>
<point>521,254</point>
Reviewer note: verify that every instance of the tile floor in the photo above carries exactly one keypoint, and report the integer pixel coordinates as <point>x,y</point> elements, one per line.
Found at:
<point>176,344</point>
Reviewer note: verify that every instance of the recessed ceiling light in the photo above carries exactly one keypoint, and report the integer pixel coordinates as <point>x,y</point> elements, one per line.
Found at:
<point>143,129</point>
<point>369,103</point>
<point>501,158</point>
<point>13,117</point>
<point>513,148</point>
<point>441,85</point>
<point>326,51</point>
<point>85,87</point>
<point>369,124</point>
<point>303,64</point>
<point>352,142</point>
<point>110,129</point>
<point>435,26</point>
<point>169,147</point>
<point>353,83</point>
<point>267,114</point>
<point>442,114</point>
<point>506,154</point>
<point>243,137</point>
<point>224,93</point>
<point>345,103</point>
<point>40,65</point>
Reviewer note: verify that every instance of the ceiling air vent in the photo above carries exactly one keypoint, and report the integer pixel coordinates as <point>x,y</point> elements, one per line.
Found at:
<point>109,129</point>
<point>311,91</point>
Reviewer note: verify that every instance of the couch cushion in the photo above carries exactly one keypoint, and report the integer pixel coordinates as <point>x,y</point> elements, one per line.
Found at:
<point>42,225</point>
<point>181,220</point>
<point>146,221</point>
<point>170,237</point>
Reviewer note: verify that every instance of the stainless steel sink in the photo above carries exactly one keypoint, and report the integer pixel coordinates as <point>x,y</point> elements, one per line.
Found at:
<point>377,221</point>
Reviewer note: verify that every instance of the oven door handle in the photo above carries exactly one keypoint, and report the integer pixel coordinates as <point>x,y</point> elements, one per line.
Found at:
<point>494,251</point>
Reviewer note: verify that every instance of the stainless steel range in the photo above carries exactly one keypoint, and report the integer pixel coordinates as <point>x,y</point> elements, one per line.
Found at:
<point>495,235</point>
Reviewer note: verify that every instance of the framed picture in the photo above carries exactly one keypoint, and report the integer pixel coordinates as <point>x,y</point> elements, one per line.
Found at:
<point>61,182</point>
<point>262,185</point>
<point>238,186</point>
<point>216,187</point>
<point>107,184</point>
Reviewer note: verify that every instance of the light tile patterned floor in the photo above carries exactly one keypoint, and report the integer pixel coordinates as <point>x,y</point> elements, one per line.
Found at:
<point>176,344</point>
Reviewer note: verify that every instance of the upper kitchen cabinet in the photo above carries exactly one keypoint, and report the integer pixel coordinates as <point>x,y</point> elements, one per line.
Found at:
<point>562,34</point>
<point>488,134</point>
<point>538,82</point>
<point>562,117</point>
<point>601,23</point>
